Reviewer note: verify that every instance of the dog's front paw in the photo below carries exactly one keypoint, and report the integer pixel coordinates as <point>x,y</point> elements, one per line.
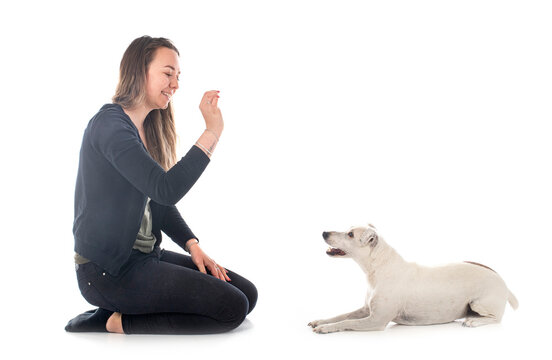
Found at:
<point>315,323</point>
<point>325,329</point>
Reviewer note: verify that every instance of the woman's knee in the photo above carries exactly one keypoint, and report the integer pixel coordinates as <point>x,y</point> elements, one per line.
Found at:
<point>247,288</point>
<point>252,295</point>
<point>235,308</point>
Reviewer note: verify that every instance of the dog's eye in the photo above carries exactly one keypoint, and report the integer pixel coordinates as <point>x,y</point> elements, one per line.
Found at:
<point>350,234</point>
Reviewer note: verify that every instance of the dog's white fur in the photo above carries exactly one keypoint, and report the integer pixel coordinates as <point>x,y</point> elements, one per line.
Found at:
<point>410,294</point>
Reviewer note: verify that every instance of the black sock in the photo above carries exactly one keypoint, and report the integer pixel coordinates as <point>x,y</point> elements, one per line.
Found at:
<point>90,321</point>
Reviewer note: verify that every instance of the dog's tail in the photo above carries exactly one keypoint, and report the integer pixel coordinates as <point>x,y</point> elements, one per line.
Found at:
<point>512,300</point>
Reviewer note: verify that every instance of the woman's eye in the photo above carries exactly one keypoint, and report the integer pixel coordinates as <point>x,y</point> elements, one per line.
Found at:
<point>351,234</point>
<point>169,75</point>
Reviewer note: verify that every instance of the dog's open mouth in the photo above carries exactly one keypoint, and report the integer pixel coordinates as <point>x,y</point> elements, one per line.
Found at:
<point>335,252</point>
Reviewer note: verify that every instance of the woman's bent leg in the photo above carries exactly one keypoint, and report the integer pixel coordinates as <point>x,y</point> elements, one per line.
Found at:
<point>158,297</point>
<point>237,280</point>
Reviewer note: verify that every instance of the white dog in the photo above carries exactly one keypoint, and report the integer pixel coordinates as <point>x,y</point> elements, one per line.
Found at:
<point>410,294</point>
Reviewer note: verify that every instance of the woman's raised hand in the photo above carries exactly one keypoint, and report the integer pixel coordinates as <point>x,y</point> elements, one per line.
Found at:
<point>211,113</point>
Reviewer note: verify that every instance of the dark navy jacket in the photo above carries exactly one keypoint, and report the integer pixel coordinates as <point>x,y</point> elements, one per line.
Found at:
<point>116,175</point>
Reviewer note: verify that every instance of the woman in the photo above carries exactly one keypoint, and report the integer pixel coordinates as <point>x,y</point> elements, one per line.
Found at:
<point>127,186</point>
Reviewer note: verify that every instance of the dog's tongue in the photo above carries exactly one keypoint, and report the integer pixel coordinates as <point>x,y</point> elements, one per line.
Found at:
<point>333,252</point>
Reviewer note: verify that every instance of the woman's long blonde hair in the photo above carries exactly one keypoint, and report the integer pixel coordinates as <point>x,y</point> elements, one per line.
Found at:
<point>131,90</point>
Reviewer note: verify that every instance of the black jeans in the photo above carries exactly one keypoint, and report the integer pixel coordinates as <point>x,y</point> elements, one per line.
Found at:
<point>164,293</point>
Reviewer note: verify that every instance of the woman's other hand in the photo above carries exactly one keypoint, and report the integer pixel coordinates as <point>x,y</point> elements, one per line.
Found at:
<point>211,113</point>
<point>204,263</point>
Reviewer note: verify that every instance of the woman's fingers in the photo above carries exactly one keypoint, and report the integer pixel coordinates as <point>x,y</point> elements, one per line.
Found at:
<point>210,97</point>
<point>221,274</point>
<point>214,269</point>
<point>201,267</point>
<point>210,93</point>
<point>225,273</point>
<point>215,101</point>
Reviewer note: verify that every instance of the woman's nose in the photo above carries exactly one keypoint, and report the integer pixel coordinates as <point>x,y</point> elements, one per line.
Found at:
<point>174,84</point>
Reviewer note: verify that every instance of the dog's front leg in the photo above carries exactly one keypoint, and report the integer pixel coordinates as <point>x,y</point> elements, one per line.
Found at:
<point>370,323</point>
<point>381,315</point>
<point>357,314</point>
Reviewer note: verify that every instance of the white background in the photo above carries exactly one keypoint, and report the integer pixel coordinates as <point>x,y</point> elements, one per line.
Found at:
<point>429,119</point>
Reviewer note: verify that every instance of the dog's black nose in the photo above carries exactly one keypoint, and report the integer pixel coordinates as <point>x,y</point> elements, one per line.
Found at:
<point>325,235</point>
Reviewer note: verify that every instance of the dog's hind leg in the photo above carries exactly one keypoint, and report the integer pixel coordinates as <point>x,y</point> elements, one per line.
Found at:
<point>490,311</point>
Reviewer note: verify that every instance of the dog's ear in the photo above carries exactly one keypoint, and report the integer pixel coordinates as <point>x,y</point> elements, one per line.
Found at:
<point>369,237</point>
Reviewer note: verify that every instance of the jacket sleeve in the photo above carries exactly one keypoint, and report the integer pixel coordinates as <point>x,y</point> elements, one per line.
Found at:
<point>176,228</point>
<point>118,141</point>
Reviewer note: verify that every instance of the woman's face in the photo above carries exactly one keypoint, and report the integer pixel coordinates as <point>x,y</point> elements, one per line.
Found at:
<point>162,78</point>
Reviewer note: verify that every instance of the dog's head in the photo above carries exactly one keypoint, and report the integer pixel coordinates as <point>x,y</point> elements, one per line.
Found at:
<point>357,241</point>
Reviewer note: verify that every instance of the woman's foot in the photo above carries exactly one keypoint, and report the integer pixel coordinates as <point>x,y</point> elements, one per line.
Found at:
<point>115,323</point>
<point>90,321</point>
